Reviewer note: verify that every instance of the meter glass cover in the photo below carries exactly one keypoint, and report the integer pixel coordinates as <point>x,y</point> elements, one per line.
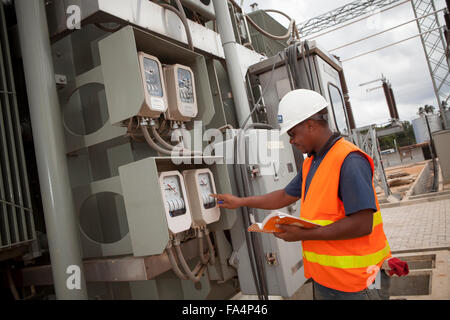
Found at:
<point>152,78</point>
<point>206,189</point>
<point>174,196</point>
<point>185,85</point>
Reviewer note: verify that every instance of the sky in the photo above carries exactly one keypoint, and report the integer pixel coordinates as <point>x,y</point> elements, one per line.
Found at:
<point>404,65</point>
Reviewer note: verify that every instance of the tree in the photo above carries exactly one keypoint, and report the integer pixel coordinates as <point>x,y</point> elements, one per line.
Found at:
<point>427,109</point>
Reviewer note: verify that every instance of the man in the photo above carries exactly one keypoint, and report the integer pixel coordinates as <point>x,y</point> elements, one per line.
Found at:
<point>336,190</point>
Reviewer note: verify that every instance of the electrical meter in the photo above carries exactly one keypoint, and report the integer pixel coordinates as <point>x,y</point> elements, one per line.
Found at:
<point>182,99</point>
<point>175,201</point>
<point>154,86</point>
<point>201,185</point>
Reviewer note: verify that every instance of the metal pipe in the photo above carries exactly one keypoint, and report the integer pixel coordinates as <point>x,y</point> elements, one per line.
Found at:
<point>232,58</point>
<point>45,112</point>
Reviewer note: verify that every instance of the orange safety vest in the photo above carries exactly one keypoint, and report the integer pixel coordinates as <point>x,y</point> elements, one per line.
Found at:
<point>343,265</point>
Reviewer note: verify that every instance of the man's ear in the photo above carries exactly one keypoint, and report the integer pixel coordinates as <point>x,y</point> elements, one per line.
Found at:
<point>311,125</point>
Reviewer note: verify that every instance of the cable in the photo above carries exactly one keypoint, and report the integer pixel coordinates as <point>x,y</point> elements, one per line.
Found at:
<point>212,253</point>
<point>307,71</point>
<point>245,216</point>
<point>152,143</point>
<point>358,20</point>
<point>248,240</point>
<point>308,56</point>
<point>390,45</point>
<point>288,70</point>
<point>294,58</point>
<point>252,240</point>
<point>186,24</point>
<point>174,264</point>
<point>381,32</point>
<point>174,149</point>
<point>195,277</point>
<point>182,15</point>
<point>200,247</point>
<point>239,172</point>
<point>130,130</point>
<point>161,141</point>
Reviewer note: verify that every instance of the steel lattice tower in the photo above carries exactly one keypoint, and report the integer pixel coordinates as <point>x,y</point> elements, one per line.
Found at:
<point>434,47</point>
<point>431,34</point>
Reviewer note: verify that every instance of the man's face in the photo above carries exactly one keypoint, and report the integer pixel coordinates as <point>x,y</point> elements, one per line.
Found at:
<point>301,137</point>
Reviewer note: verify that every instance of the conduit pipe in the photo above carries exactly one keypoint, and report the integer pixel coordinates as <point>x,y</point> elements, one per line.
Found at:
<point>182,15</point>
<point>160,140</point>
<point>152,143</point>
<point>174,264</point>
<point>171,150</point>
<point>176,268</point>
<point>200,248</point>
<point>195,277</point>
<point>212,253</point>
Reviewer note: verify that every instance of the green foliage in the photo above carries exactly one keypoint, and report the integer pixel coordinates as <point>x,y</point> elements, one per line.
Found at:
<point>405,138</point>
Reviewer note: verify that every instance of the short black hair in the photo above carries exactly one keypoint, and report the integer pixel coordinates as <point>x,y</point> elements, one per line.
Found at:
<point>321,118</point>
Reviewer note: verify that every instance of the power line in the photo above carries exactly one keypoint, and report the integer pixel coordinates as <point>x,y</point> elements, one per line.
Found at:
<point>331,19</point>
<point>390,45</point>
<point>381,32</point>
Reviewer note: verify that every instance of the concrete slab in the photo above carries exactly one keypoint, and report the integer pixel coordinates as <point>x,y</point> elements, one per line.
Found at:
<point>438,274</point>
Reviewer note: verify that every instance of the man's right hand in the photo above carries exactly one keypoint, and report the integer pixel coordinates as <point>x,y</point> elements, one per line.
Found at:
<point>228,201</point>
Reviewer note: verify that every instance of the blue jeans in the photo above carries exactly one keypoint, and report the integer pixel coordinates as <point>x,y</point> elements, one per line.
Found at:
<point>324,293</point>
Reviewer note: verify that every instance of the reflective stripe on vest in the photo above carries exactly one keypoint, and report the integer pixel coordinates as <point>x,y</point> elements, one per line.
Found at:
<point>347,262</point>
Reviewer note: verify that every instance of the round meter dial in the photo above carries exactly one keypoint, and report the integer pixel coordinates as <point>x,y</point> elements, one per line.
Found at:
<point>186,86</point>
<point>205,188</point>
<point>152,78</point>
<point>174,196</point>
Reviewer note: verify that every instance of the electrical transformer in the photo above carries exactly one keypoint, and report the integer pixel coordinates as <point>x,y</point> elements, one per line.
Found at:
<point>151,133</point>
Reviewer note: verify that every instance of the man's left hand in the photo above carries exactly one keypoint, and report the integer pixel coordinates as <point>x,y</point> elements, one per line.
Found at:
<point>292,233</point>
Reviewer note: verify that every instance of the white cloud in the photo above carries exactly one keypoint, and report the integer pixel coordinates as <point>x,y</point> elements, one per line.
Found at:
<point>404,65</point>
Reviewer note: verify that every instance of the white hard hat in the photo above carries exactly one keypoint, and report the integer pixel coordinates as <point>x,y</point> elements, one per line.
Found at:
<point>297,106</point>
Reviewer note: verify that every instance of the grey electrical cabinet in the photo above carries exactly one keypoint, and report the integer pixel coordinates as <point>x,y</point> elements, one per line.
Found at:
<point>442,143</point>
<point>283,260</point>
<point>122,76</point>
